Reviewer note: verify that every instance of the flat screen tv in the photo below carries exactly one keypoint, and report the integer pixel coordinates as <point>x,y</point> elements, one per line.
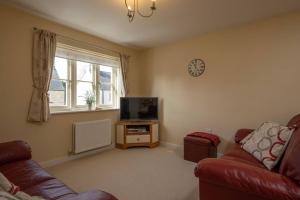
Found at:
<point>138,108</point>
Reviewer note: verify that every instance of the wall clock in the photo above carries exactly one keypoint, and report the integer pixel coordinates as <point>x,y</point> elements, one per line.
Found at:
<point>196,67</point>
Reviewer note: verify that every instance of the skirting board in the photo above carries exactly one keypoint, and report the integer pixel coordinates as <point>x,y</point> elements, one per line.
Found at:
<point>51,163</point>
<point>180,147</point>
<point>171,145</point>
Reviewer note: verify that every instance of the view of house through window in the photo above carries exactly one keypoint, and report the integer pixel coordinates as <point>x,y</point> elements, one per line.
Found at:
<point>84,81</point>
<point>59,85</point>
<point>105,85</point>
<point>73,79</point>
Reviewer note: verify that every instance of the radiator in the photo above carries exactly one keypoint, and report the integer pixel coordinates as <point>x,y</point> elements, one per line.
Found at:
<point>91,135</point>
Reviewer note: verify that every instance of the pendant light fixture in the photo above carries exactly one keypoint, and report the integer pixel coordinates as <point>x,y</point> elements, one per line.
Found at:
<point>133,9</point>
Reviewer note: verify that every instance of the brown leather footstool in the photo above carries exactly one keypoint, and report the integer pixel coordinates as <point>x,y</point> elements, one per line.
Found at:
<point>196,149</point>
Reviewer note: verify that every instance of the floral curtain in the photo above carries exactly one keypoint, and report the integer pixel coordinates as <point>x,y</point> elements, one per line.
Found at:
<point>44,45</point>
<point>124,68</point>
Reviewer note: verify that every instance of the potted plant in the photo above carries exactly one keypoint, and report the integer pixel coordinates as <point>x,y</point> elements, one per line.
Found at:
<point>90,100</point>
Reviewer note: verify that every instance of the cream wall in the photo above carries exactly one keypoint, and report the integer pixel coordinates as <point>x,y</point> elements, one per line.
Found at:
<point>53,139</point>
<point>252,75</point>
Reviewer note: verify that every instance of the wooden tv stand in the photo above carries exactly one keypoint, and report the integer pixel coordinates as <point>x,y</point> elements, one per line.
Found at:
<point>137,133</point>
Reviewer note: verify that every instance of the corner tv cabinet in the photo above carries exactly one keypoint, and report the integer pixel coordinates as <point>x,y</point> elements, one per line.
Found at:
<point>137,133</point>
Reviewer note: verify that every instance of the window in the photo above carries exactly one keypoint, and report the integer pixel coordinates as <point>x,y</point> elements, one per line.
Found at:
<point>60,82</point>
<point>78,72</point>
<point>105,85</point>
<point>84,81</point>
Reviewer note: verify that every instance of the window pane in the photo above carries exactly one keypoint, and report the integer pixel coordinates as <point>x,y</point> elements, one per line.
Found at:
<point>84,71</point>
<point>60,69</point>
<point>82,89</point>
<point>105,94</point>
<point>58,93</point>
<point>105,75</point>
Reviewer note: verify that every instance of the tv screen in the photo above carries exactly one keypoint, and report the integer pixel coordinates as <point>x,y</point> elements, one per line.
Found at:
<point>139,108</point>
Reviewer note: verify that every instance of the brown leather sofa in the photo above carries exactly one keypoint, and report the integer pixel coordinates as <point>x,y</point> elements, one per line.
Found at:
<point>17,166</point>
<point>239,176</point>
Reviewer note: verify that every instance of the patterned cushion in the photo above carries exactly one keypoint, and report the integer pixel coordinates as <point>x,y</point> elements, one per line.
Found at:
<point>7,186</point>
<point>19,196</point>
<point>8,191</point>
<point>268,143</point>
<point>24,196</point>
<point>7,196</point>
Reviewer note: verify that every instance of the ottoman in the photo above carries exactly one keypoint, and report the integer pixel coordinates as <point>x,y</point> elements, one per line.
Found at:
<point>196,149</point>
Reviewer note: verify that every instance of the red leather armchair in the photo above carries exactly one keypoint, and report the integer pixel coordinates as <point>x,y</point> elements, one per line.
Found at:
<point>17,166</point>
<point>239,176</point>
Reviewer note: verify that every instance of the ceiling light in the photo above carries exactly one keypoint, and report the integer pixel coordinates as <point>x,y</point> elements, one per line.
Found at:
<point>132,9</point>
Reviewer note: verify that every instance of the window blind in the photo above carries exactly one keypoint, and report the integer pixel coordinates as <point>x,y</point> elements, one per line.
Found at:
<point>84,55</point>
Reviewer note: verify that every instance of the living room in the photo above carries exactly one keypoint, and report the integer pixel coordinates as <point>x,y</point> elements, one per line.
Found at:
<point>248,51</point>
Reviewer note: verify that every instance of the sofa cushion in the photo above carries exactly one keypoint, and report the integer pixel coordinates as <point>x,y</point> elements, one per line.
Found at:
<point>51,189</point>
<point>248,179</point>
<point>290,164</point>
<point>92,195</point>
<point>25,173</point>
<point>14,151</point>
<point>236,153</point>
<point>268,143</point>
<point>34,180</point>
<point>294,122</point>
<point>241,134</point>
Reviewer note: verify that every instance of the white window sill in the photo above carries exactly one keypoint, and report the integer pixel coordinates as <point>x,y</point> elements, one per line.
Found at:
<point>82,111</point>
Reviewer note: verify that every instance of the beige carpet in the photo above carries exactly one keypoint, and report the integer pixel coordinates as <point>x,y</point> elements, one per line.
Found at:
<point>133,174</point>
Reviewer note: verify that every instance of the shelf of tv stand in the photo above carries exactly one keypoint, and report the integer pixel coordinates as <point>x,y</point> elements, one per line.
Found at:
<point>126,139</point>
<point>138,133</point>
<point>138,122</point>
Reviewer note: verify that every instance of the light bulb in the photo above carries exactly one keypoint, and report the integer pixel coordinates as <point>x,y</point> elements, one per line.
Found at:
<point>129,8</point>
<point>153,5</point>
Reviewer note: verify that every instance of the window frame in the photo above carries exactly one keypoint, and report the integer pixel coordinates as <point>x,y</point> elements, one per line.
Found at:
<point>114,95</point>
<point>74,99</point>
<point>72,88</point>
<point>68,89</point>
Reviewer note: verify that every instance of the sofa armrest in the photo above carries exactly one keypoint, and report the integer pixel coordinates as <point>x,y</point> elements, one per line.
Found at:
<point>241,134</point>
<point>14,151</point>
<point>235,175</point>
<point>93,195</point>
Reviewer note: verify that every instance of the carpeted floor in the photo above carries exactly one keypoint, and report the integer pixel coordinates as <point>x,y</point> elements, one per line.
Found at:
<point>133,174</point>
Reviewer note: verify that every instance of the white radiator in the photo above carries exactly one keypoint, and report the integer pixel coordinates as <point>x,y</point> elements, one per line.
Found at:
<point>91,135</point>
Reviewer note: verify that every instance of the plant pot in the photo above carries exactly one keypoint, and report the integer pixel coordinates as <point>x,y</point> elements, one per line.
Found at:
<point>92,106</point>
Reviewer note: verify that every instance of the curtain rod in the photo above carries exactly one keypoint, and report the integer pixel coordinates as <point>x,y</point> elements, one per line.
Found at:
<point>75,40</point>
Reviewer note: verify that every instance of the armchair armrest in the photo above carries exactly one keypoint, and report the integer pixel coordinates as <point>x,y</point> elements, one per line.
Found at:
<point>246,178</point>
<point>14,151</point>
<point>241,134</point>
<point>93,195</point>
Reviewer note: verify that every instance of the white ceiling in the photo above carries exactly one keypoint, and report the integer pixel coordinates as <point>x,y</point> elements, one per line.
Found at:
<point>173,20</point>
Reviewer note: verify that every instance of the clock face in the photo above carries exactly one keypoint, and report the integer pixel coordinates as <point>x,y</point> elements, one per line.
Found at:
<point>196,67</point>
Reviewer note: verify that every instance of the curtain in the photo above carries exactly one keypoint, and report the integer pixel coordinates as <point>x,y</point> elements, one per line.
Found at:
<point>44,45</point>
<point>124,68</point>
